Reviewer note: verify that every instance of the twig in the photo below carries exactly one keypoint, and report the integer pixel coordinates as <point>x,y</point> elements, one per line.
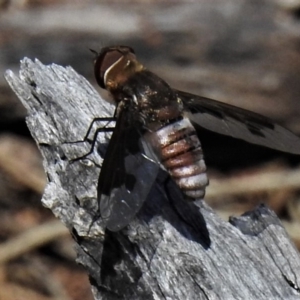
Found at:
<point>260,182</point>
<point>31,239</point>
<point>17,159</point>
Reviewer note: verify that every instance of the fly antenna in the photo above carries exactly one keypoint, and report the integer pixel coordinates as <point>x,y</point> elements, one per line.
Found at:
<point>94,51</point>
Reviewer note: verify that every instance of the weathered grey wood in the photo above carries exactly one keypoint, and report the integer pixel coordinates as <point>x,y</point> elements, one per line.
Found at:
<point>158,256</point>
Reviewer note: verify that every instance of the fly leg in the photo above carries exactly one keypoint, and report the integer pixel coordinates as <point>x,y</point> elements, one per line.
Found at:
<point>94,139</point>
<point>108,120</point>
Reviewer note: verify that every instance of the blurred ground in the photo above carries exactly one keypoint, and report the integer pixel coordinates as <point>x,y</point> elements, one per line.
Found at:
<point>245,53</point>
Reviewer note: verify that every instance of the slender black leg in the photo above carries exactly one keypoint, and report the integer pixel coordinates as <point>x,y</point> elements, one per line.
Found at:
<point>108,119</point>
<point>98,130</point>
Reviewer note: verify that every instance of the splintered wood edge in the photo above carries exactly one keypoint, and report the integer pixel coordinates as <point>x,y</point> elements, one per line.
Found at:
<point>250,257</point>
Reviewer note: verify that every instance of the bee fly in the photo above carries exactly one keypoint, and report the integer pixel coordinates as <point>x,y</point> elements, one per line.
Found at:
<point>155,128</point>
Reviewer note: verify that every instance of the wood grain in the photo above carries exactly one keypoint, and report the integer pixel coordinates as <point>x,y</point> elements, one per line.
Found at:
<point>159,255</point>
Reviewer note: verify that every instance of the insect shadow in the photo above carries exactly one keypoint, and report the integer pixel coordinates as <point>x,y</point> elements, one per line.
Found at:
<point>167,200</point>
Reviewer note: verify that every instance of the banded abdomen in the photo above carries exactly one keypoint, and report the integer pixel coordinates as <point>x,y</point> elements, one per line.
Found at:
<point>180,152</point>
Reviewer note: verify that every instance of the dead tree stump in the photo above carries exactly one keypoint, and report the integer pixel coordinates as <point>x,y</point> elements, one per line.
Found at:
<point>159,255</point>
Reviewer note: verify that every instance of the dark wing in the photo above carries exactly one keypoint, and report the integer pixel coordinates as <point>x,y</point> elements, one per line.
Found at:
<point>238,123</point>
<point>126,177</point>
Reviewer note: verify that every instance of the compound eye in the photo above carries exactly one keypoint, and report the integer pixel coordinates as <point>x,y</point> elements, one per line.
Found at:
<point>103,63</point>
<point>106,59</point>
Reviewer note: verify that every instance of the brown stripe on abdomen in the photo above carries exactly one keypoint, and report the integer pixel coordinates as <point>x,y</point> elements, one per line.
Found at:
<point>181,154</point>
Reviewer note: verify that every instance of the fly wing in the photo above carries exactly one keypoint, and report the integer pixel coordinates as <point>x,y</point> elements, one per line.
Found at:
<point>126,176</point>
<point>238,123</point>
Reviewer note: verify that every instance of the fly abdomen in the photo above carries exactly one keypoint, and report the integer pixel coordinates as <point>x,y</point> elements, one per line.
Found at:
<point>181,154</point>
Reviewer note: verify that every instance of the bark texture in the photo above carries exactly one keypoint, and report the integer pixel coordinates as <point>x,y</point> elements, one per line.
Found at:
<point>171,250</point>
